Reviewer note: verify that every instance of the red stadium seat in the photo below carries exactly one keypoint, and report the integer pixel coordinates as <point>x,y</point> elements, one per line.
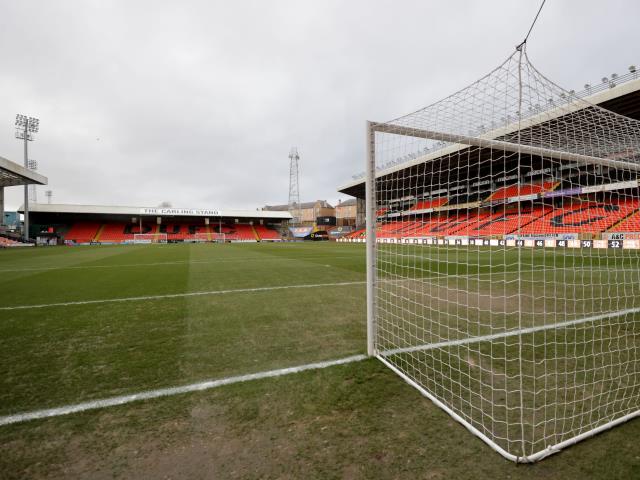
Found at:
<point>265,233</point>
<point>581,217</point>
<point>426,204</point>
<point>82,232</point>
<point>523,189</point>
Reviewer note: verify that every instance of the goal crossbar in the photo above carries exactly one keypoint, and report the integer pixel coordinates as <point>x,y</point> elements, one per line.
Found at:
<point>500,145</point>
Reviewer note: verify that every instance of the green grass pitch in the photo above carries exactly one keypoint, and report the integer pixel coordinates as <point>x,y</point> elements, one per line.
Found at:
<point>353,421</point>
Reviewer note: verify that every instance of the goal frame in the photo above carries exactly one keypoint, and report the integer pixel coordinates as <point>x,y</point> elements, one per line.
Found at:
<point>371,252</point>
<point>141,238</point>
<point>218,237</point>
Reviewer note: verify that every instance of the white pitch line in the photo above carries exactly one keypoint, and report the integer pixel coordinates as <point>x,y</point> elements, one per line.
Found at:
<point>179,295</point>
<point>510,333</point>
<point>164,392</point>
<point>436,276</point>
<point>177,262</point>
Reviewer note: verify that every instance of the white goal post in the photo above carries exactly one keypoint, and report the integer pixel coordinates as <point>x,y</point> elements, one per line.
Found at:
<point>218,237</point>
<point>503,259</point>
<point>141,238</point>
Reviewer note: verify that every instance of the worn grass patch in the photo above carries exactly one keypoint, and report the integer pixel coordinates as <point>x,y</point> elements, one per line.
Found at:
<point>356,421</point>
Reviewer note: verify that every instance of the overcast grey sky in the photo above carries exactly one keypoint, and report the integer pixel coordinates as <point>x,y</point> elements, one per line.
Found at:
<point>198,103</point>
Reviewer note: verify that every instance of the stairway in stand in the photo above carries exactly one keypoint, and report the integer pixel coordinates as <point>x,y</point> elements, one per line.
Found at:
<point>97,237</point>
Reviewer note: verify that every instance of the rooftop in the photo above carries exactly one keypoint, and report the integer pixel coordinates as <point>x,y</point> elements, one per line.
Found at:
<point>12,174</point>
<point>152,211</point>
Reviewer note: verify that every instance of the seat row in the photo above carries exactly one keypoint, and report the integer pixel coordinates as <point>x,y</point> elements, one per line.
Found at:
<point>578,217</point>
<point>85,232</point>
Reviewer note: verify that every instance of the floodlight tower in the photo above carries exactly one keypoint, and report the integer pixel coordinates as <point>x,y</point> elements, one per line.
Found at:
<point>294,186</point>
<point>25,128</point>
<point>33,165</point>
<point>48,194</point>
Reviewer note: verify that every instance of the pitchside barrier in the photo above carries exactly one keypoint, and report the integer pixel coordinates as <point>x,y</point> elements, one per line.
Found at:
<point>632,244</point>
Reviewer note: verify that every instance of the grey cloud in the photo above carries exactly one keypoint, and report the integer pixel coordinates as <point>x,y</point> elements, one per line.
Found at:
<point>199,103</point>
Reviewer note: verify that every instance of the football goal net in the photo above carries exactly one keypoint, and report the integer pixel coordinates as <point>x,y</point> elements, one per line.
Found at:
<point>503,265</point>
<point>218,237</point>
<point>149,238</point>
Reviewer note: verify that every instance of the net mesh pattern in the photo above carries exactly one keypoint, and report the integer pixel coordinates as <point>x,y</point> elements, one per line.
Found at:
<point>507,283</point>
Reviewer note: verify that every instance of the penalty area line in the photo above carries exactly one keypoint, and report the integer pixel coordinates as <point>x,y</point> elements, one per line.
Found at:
<point>180,295</point>
<point>165,392</point>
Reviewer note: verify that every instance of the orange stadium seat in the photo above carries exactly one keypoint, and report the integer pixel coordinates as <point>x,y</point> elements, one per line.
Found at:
<point>115,232</point>
<point>266,233</point>
<point>433,203</point>
<point>522,189</point>
<point>8,242</point>
<point>582,217</point>
<point>500,223</point>
<point>629,224</point>
<point>82,232</point>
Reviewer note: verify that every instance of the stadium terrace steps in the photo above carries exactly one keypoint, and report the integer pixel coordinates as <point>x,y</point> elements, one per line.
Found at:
<point>115,232</point>
<point>255,233</point>
<point>630,223</point>
<point>266,233</point>
<point>98,233</point>
<point>501,223</point>
<point>584,217</point>
<point>83,232</point>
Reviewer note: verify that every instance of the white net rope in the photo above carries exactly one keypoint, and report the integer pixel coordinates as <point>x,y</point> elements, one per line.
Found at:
<point>507,280</point>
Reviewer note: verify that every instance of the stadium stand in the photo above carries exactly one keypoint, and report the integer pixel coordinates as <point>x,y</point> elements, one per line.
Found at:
<point>426,204</point>
<point>85,224</point>
<point>118,232</point>
<point>83,232</point>
<point>115,232</point>
<point>265,233</point>
<point>508,221</point>
<point>8,242</point>
<point>243,232</point>
<point>521,190</point>
<point>356,234</point>
<point>577,215</point>
<point>629,224</point>
<point>587,217</point>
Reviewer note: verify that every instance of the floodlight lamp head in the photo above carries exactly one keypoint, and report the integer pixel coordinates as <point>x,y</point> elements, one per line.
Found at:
<point>21,120</point>
<point>34,124</point>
